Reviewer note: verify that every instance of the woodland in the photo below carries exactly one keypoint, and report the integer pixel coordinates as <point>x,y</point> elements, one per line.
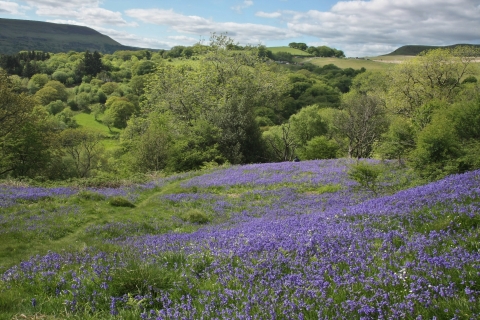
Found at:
<point>219,103</point>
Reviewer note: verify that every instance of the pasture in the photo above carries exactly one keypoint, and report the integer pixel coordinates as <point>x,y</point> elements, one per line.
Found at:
<point>343,63</point>
<point>262,241</point>
<point>292,51</point>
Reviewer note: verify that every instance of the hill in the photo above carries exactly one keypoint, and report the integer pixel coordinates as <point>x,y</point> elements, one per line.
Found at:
<point>277,240</point>
<point>413,50</point>
<point>19,35</point>
<point>292,51</point>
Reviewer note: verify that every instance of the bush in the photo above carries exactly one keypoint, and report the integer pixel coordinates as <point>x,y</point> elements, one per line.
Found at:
<point>319,148</point>
<point>195,216</point>
<point>120,202</point>
<point>90,195</point>
<point>366,175</point>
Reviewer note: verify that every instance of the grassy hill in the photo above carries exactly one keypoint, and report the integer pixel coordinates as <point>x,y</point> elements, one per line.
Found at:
<point>18,35</point>
<point>280,240</point>
<point>413,50</point>
<point>347,63</point>
<point>292,51</point>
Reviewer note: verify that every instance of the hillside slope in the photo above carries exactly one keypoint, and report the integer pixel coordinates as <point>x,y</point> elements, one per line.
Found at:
<point>18,35</point>
<point>413,50</point>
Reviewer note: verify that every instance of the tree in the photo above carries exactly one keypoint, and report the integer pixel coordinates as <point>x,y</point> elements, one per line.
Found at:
<point>224,90</point>
<point>398,141</point>
<point>319,147</point>
<point>437,150</point>
<point>83,147</point>
<point>362,122</point>
<point>433,75</point>
<point>14,108</point>
<point>281,142</point>
<point>31,150</point>
<point>307,124</point>
<point>46,95</point>
<point>61,90</point>
<point>119,110</point>
<point>37,82</point>
<point>92,63</point>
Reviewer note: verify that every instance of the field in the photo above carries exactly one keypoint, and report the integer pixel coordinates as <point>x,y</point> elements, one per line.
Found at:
<point>292,51</point>
<point>262,241</point>
<point>343,63</point>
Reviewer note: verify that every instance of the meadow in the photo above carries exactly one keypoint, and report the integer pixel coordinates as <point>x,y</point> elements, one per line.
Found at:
<point>262,241</point>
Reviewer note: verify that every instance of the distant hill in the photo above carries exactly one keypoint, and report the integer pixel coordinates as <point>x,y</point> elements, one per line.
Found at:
<point>292,51</point>
<point>19,35</point>
<point>413,50</point>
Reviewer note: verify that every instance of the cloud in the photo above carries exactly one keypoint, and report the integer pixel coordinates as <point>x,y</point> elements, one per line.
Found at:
<point>246,33</point>
<point>268,15</point>
<point>86,12</point>
<point>360,26</point>
<point>9,7</point>
<point>244,5</point>
<point>134,40</point>
<point>184,39</point>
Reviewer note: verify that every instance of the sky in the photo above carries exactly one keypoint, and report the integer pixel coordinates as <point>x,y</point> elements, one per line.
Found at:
<point>359,28</point>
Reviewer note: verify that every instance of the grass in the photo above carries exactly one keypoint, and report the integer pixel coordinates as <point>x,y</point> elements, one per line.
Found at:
<point>110,141</point>
<point>108,277</point>
<point>343,63</point>
<point>292,51</point>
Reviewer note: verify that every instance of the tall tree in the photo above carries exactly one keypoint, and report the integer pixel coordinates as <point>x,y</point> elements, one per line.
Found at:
<point>433,75</point>
<point>93,63</point>
<point>362,123</point>
<point>223,90</point>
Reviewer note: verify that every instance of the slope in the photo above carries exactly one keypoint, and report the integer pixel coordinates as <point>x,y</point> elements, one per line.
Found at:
<point>18,35</point>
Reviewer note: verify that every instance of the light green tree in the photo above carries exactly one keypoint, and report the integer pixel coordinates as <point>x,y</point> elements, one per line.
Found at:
<point>433,75</point>
<point>224,90</point>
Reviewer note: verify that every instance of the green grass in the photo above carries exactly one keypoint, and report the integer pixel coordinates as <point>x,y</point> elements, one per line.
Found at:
<point>292,51</point>
<point>110,141</point>
<point>347,63</point>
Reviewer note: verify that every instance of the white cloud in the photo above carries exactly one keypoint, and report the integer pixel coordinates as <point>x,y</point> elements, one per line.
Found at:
<point>372,26</point>
<point>268,15</point>
<point>133,40</point>
<point>86,12</point>
<point>184,39</point>
<point>246,33</point>
<point>244,5</point>
<point>9,7</point>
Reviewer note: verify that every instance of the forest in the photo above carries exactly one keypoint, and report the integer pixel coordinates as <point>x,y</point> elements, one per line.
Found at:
<point>219,103</point>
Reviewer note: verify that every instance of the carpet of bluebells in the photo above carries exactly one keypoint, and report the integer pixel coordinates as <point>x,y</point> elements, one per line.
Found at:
<point>292,240</point>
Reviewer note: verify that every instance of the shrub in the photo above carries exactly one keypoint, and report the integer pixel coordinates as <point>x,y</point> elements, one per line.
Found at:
<point>366,175</point>
<point>90,195</point>
<point>195,216</point>
<point>120,202</point>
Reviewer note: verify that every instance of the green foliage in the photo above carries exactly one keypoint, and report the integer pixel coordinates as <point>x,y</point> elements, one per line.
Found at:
<point>398,141</point>
<point>222,91</point>
<point>37,82</point>
<point>120,202</point>
<point>195,216</point>
<point>90,195</point>
<point>437,150</point>
<point>362,123</point>
<point>119,110</point>
<point>55,107</point>
<point>367,175</point>
<point>83,149</point>
<point>319,147</point>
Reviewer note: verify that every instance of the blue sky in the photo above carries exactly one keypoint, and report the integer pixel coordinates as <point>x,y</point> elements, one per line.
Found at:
<point>359,28</point>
